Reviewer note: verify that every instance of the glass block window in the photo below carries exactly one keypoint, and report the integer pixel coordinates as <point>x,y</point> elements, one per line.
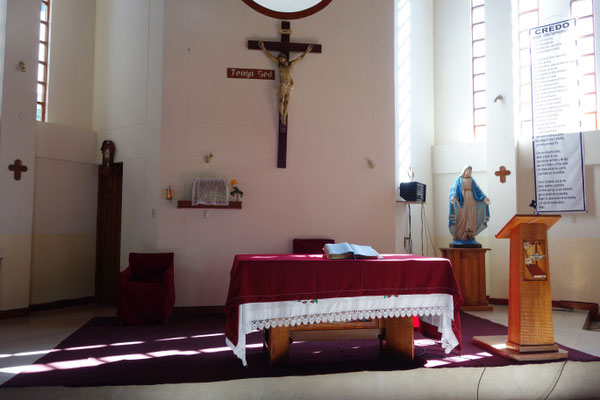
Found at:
<point>479,69</point>
<point>42,75</point>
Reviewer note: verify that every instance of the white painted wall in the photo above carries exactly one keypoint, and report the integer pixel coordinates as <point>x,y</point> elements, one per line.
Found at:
<point>454,144</point>
<point>341,112</point>
<point>127,109</point>
<point>452,71</point>
<point>47,219</point>
<point>2,46</point>
<point>64,208</point>
<point>17,141</point>
<point>574,238</point>
<point>71,72</point>
<point>64,214</point>
<point>414,118</point>
<point>501,142</point>
<point>343,101</point>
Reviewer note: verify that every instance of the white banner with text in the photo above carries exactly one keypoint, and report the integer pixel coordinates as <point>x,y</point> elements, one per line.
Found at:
<point>559,173</point>
<point>556,110</point>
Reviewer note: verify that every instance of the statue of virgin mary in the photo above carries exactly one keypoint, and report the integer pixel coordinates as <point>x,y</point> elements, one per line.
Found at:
<point>469,210</point>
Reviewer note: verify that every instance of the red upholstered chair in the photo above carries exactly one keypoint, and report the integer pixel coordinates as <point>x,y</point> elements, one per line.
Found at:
<point>146,290</point>
<point>310,246</point>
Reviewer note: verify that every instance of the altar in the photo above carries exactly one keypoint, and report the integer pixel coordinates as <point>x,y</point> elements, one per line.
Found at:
<point>288,290</point>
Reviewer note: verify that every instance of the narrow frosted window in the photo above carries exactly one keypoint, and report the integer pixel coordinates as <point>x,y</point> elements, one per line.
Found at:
<point>478,68</point>
<point>42,75</point>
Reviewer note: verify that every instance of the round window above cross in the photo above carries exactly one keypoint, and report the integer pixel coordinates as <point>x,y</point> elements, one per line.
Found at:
<point>289,9</point>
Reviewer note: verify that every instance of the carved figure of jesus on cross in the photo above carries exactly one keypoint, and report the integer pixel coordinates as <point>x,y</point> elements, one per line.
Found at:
<point>286,83</point>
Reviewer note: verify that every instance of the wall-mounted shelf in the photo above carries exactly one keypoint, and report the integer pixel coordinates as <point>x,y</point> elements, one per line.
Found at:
<point>409,202</point>
<point>188,204</point>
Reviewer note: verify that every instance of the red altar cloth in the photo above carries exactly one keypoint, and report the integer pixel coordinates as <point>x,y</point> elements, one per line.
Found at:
<point>285,277</point>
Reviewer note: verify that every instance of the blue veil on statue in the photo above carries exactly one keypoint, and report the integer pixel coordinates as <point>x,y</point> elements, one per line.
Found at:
<point>469,210</point>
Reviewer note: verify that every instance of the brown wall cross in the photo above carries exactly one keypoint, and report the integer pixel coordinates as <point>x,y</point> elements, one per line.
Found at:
<point>17,168</point>
<point>502,173</point>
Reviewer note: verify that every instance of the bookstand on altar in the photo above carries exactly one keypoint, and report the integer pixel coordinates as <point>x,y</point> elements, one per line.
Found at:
<point>530,328</point>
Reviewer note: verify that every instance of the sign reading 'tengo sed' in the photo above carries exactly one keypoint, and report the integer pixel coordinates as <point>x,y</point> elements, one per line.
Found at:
<point>249,73</point>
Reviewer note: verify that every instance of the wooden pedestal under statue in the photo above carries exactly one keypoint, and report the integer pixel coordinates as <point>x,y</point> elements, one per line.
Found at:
<point>530,328</point>
<point>469,269</point>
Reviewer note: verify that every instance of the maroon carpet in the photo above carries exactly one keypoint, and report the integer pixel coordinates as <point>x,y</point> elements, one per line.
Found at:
<point>192,349</point>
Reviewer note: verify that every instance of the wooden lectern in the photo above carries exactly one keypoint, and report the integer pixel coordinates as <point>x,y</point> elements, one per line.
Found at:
<point>530,328</point>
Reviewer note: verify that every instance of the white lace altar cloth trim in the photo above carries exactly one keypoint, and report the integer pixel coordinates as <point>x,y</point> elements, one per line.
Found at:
<point>436,309</point>
<point>210,191</point>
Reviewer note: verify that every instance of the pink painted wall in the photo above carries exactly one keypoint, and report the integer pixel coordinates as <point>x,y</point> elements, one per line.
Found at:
<point>341,113</point>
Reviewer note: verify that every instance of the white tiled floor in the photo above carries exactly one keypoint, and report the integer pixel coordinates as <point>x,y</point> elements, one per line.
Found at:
<point>23,340</point>
<point>567,328</point>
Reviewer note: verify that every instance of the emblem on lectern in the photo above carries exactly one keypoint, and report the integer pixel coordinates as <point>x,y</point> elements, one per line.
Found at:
<point>534,255</point>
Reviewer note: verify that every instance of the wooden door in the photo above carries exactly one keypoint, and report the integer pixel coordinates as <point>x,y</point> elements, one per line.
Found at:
<point>108,234</point>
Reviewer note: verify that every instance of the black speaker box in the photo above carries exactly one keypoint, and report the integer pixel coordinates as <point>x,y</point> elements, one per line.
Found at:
<point>413,191</point>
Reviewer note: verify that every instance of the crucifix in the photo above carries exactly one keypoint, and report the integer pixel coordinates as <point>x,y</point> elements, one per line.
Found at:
<point>17,168</point>
<point>502,173</point>
<point>286,83</point>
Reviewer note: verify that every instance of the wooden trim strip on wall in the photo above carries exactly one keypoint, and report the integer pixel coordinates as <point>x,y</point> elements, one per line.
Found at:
<point>23,312</point>
<point>19,312</point>
<point>594,314</point>
<point>200,310</point>
<point>62,303</point>
<point>570,305</point>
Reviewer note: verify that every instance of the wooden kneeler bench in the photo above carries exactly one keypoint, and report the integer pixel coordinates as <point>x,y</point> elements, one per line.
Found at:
<point>396,332</point>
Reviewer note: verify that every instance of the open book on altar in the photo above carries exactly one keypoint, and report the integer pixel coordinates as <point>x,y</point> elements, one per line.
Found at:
<point>335,251</point>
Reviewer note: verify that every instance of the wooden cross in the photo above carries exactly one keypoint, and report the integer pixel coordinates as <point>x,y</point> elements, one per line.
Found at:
<point>502,173</point>
<point>284,46</point>
<point>17,168</point>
